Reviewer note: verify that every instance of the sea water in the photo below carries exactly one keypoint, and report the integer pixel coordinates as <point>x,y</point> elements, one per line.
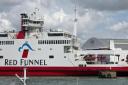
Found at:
<point>64,81</point>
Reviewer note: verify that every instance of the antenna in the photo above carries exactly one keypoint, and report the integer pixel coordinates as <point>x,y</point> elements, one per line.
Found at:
<point>61,16</point>
<point>75,20</point>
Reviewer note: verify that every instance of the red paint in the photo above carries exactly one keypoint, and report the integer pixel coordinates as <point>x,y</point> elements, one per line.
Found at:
<point>57,71</point>
<point>20,35</point>
<point>25,53</point>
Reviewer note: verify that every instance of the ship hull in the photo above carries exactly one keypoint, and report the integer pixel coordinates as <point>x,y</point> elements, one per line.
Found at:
<point>61,71</point>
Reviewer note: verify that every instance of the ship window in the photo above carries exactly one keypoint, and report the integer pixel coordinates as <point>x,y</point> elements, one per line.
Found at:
<point>54,42</point>
<point>80,65</point>
<point>65,41</point>
<point>6,42</point>
<point>3,35</point>
<point>47,42</point>
<point>43,42</point>
<point>68,35</point>
<point>60,41</point>
<point>51,56</point>
<point>55,34</point>
<point>67,49</point>
<point>1,42</point>
<point>116,62</point>
<point>39,41</point>
<point>50,41</point>
<point>57,41</point>
<point>10,42</point>
<point>1,56</point>
<point>69,41</point>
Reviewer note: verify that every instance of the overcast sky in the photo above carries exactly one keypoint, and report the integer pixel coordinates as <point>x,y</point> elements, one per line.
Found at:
<point>96,18</point>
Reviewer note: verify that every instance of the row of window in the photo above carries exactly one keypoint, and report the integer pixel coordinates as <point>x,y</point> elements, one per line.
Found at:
<point>3,35</point>
<point>55,34</point>
<point>59,34</point>
<point>26,21</point>
<point>24,15</point>
<point>54,42</point>
<point>68,35</point>
<point>52,56</point>
<point>6,42</point>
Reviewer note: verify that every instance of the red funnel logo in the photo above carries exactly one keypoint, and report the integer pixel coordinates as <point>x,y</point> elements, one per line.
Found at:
<point>25,53</point>
<point>25,50</point>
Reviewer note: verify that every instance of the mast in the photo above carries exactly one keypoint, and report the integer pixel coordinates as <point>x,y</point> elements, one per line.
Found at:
<point>75,20</point>
<point>74,37</point>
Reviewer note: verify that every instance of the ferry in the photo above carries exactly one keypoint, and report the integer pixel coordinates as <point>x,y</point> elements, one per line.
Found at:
<point>54,52</point>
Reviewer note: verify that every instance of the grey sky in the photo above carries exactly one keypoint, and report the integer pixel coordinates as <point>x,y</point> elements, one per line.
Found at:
<point>109,5</point>
<point>96,18</point>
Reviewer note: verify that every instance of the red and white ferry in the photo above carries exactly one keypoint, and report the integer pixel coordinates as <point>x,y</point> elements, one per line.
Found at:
<point>53,53</point>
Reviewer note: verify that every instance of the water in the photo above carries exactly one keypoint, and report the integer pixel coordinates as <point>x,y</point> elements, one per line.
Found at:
<point>64,81</point>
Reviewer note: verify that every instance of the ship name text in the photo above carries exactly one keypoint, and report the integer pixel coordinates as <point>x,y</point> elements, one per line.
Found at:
<point>25,62</point>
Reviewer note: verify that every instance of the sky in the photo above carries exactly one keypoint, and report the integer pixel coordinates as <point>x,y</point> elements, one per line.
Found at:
<point>96,18</point>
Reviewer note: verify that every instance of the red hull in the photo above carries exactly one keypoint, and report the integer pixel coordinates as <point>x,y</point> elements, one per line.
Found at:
<point>58,71</point>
